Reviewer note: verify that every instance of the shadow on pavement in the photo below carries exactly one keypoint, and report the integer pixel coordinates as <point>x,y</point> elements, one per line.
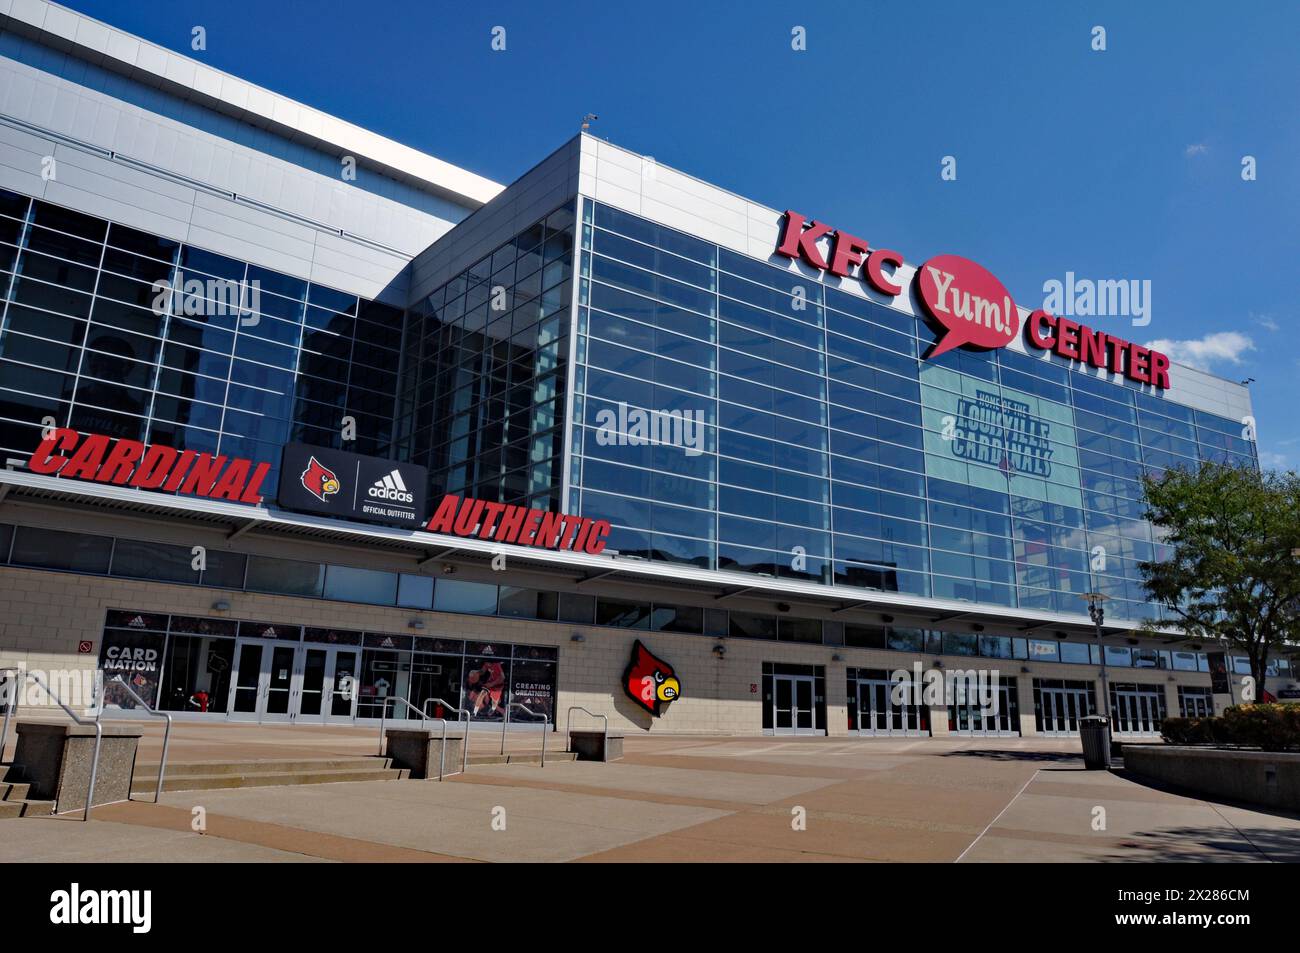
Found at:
<point>1050,757</point>
<point>1156,785</point>
<point>1193,845</point>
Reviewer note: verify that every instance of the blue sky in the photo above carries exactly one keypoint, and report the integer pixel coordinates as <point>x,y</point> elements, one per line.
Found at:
<point>1117,164</point>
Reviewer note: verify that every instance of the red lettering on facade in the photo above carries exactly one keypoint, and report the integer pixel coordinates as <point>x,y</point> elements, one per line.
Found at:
<point>44,459</point>
<point>120,462</point>
<point>848,250</point>
<point>154,467</point>
<point>798,242</point>
<point>877,277</point>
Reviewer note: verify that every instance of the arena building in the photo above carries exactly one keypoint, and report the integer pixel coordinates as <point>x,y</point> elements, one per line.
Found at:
<point>296,421</point>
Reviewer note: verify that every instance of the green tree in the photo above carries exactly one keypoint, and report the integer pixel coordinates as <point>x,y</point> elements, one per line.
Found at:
<point>1231,574</point>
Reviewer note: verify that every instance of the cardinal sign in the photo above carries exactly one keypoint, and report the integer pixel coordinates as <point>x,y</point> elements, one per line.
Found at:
<point>650,681</point>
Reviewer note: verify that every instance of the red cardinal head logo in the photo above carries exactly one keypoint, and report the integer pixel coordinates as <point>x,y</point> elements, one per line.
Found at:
<point>650,681</point>
<point>319,480</point>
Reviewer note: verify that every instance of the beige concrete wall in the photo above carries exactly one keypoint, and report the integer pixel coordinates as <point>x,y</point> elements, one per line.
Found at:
<point>43,616</point>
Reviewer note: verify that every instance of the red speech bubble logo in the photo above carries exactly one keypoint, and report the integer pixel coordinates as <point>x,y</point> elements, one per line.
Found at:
<point>968,303</point>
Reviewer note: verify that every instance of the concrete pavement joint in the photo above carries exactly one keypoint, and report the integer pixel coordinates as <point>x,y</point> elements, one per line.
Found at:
<point>996,819</point>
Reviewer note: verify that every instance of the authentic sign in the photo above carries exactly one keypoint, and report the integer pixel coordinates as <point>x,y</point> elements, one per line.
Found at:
<point>121,462</point>
<point>966,304</point>
<point>520,525</point>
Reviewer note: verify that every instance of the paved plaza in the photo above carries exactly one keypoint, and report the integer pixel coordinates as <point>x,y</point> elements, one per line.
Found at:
<point>670,799</point>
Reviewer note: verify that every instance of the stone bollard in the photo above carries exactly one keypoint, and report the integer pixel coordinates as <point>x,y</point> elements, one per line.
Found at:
<point>55,759</point>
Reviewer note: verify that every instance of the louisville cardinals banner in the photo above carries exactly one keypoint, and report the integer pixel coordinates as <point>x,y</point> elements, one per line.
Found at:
<point>1219,683</point>
<point>351,486</point>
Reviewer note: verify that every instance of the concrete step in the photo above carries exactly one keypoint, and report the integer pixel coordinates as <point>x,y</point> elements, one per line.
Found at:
<point>26,808</point>
<point>264,778</point>
<point>535,757</point>
<point>14,791</point>
<point>271,766</point>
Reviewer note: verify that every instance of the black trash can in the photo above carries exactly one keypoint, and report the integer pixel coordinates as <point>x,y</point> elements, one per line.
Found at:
<point>1094,731</point>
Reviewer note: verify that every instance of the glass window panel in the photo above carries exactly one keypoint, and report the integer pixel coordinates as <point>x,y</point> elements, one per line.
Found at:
<point>623,614</point>
<point>348,584</point>
<point>54,549</point>
<point>288,576</point>
<point>415,592</point>
<point>148,560</point>
<point>471,598</point>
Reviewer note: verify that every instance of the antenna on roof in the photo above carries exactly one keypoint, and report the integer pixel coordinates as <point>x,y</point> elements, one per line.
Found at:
<point>587,120</point>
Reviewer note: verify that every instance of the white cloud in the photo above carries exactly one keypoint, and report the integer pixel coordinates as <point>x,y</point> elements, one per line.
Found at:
<point>1265,322</point>
<point>1271,460</point>
<point>1220,347</point>
<point>1196,149</point>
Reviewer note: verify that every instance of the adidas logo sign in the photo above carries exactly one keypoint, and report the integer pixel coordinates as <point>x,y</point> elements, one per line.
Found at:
<point>391,487</point>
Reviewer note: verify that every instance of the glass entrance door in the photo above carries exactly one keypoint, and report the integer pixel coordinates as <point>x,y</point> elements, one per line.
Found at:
<point>280,662</point>
<point>1138,709</point>
<point>341,685</point>
<point>269,680</point>
<point>1196,702</point>
<point>328,689</point>
<point>878,714</point>
<point>248,700</point>
<point>1061,708</point>
<point>968,717</point>
<point>793,708</point>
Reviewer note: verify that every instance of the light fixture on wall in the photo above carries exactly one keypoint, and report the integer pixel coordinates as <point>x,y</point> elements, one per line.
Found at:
<point>1024,670</point>
<point>938,663</point>
<point>448,569</point>
<point>221,605</point>
<point>783,607</point>
<point>837,657</point>
<point>886,619</point>
<point>976,627</point>
<point>577,637</point>
<point>416,624</point>
<point>720,650</point>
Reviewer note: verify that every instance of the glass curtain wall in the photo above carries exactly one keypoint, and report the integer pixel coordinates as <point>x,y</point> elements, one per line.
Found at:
<point>828,450</point>
<point>112,330</point>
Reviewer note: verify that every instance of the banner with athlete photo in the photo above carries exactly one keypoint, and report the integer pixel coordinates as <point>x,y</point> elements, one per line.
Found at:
<point>134,653</point>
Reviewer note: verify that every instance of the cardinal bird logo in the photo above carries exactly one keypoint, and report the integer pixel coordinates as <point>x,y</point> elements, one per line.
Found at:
<point>319,480</point>
<point>650,681</point>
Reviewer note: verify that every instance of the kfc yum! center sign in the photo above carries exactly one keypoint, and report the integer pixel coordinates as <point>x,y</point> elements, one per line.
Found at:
<point>965,304</point>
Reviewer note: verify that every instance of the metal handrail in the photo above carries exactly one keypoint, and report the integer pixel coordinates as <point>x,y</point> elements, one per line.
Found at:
<point>464,746</point>
<point>167,733</point>
<point>505,722</point>
<point>99,733</point>
<point>11,705</point>
<point>568,738</point>
<point>383,711</point>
